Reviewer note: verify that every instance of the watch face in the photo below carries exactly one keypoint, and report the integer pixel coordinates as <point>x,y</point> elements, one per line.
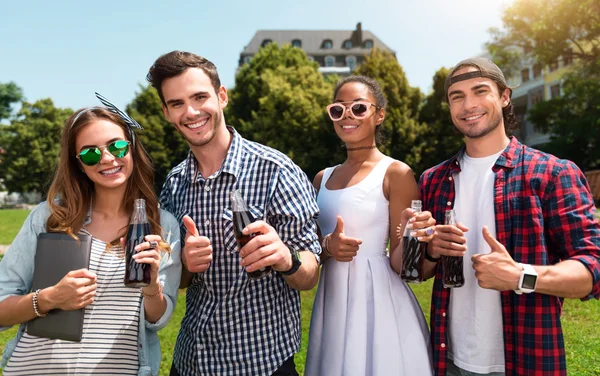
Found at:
<point>529,281</point>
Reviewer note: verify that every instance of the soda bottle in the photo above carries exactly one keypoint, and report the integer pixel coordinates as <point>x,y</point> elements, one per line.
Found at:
<point>136,274</point>
<point>242,218</point>
<point>452,266</point>
<point>413,252</point>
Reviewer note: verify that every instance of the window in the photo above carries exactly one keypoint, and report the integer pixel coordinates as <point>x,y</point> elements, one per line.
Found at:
<point>368,44</point>
<point>327,44</point>
<point>553,66</point>
<point>554,91</point>
<point>247,59</point>
<point>568,58</point>
<point>537,70</point>
<point>525,75</point>
<point>537,97</point>
<point>297,43</point>
<point>265,42</point>
<point>351,62</point>
<point>329,61</point>
<point>347,44</point>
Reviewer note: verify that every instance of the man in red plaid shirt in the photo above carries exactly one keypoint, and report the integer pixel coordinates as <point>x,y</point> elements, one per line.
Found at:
<point>526,230</point>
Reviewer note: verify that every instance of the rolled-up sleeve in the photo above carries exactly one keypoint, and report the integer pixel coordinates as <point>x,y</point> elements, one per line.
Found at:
<point>571,221</point>
<point>293,211</point>
<point>17,265</point>
<point>170,269</point>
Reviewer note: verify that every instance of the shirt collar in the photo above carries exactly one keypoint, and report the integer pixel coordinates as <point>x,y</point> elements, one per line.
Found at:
<point>231,165</point>
<point>508,158</point>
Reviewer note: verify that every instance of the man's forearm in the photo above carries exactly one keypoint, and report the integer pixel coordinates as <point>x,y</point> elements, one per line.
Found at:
<point>567,279</point>
<point>307,276</point>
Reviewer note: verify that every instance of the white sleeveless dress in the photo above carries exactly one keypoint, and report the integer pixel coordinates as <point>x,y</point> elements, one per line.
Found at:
<point>365,320</point>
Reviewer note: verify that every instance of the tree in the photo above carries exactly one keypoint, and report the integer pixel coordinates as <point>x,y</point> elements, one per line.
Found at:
<point>9,93</point>
<point>401,128</point>
<point>279,100</point>
<point>574,119</point>
<point>547,30</point>
<point>31,145</point>
<point>442,139</point>
<point>160,139</point>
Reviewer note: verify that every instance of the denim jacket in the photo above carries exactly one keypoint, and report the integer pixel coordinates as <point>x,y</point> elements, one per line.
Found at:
<point>16,276</point>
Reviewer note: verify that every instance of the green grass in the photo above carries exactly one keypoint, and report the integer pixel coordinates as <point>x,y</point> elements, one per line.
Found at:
<point>580,320</point>
<point>11,221</point>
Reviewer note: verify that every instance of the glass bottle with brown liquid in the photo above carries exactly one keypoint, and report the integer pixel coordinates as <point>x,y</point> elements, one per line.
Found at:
<point>452,266</point>
<point>413,252</point>
<point>136,274</point>
<point>242,218</point>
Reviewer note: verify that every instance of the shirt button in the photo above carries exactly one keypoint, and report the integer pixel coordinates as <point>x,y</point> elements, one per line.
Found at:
<point>449,203</point>
<point>201,347</point>
<point>450,178</point>
<point>444,314</point>
<point>207,188</point>
<point>443,345</point>
<point>207,223</point>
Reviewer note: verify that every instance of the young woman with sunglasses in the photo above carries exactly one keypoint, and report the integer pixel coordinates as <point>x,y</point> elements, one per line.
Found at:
<point>102,168</point>
<point>365,319</point>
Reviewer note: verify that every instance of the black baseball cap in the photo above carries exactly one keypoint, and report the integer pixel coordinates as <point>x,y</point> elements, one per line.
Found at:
<point>486,69</point>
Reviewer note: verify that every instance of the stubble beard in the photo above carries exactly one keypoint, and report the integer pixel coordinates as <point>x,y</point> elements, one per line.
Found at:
<point>476,134</point>
<point>214,122</point>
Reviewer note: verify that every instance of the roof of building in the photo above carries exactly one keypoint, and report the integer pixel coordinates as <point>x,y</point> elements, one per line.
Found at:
<point>312,41</point>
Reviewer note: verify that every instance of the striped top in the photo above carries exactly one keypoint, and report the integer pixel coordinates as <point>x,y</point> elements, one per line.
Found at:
<point>110,330</point>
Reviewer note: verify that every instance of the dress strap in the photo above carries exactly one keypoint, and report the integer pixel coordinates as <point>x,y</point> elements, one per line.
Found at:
<point>326,175</point>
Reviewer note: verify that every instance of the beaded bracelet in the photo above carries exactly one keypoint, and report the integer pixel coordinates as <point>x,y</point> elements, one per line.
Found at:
<point>325,245</point>
<point>35,304</point>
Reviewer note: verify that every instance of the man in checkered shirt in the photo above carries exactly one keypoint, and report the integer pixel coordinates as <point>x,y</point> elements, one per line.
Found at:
<point>527,232</point>
<point>234,325</point>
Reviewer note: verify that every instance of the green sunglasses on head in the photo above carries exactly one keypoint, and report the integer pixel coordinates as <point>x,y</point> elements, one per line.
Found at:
<point>91,156</point>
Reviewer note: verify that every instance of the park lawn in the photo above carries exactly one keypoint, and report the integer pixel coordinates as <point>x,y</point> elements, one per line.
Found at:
<point>11,221</point>
<point>581,331</point>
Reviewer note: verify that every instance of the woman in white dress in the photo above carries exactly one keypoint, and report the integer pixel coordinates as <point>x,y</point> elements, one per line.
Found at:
<point>102,169</point>
<point>365,319</point>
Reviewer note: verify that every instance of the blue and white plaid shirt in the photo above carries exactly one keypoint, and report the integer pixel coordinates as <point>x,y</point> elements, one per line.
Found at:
<point>233,325</point>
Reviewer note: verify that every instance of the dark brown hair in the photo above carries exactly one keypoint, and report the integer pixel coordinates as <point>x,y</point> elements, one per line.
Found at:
<point>71,192</point>
<point>175,63</point>
<point>374,89</point>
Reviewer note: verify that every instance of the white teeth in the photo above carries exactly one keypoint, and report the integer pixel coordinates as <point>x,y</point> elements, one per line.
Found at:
<point>197,125</point>
<point>111,171</point>
<point>349,126</point>
<point>473,117</point>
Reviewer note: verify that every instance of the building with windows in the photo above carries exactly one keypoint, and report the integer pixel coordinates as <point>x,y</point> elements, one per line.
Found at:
<point>535,83</point>
<point>336,51</point>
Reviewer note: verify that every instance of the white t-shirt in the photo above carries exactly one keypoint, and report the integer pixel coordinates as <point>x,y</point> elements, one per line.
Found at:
<point>476,341</point>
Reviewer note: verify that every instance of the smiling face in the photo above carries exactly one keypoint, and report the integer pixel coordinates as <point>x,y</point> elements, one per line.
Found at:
<point>110,172</point>
<point>476,105</point>
<point>193,107</point>
<point>355,131</point>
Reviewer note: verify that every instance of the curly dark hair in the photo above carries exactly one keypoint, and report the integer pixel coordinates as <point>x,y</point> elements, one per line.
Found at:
<point>376,92</point>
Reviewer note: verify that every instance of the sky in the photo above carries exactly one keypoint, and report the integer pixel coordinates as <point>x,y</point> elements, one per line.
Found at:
<point>66,50</point>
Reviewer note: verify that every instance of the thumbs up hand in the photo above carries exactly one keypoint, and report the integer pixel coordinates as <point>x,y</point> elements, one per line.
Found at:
<point>343,248</point>
<point>496,270</point>
<point>197,252</point>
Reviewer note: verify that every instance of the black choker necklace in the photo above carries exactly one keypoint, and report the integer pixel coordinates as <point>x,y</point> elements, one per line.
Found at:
<point>362,148</point>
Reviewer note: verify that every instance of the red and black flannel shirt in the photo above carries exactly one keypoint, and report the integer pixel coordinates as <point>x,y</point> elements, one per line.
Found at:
<point>544,214</point>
